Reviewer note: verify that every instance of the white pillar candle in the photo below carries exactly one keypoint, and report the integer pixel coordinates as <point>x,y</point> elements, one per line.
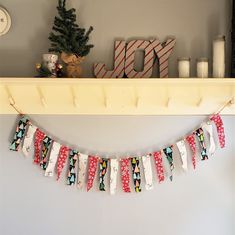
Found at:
<point>202,68</point>
<point>184,67</point>
<point>219,57</point>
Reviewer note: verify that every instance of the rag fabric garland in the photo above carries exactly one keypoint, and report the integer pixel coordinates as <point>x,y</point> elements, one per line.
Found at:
<point>52,155</point>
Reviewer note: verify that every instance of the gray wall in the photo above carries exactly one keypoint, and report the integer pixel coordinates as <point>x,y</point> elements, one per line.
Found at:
<point>194,23</point>
<point>200,202</point>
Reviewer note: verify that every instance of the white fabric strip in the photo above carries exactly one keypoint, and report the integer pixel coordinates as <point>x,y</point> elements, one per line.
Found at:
<point>82,164</point>
<point>55,149</point>
<point>114,164</point>
<point>148,174</point>
<point>183,154</point>
<point>28,139</point>
<point>209,128</point>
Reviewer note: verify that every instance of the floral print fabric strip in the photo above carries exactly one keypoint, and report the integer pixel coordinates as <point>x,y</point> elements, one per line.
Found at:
<point>209,128</point>
<point>92,168</point>
<point>113,175</point>
<point>82,164</point>
<point>220,128</point>
<point>125,175</point>
<point>169,155</point>
<point>54,154</point>
<point>103,166</point>
<point>200,134</point>
<point>63,155</point>
<point>19,134</point>
<point>146,160</point>
<point>136,173</point>
<point>159,166</point>
<point>46,143</point>
<point>183,154</point>
<point>39,136</point>
<point>28,139</point>
<point>73,157</point>
<point>191,141</point>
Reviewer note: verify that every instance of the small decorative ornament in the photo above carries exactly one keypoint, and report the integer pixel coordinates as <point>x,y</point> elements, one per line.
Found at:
<point>184,67</point>
<point>219,57</point>
<point>5,21</point>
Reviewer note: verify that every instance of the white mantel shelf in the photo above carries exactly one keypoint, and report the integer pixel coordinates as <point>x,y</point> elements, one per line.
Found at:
<point>171,96</point>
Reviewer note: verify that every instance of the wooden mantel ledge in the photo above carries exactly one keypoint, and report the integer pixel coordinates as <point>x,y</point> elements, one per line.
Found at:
<point>86,96</point>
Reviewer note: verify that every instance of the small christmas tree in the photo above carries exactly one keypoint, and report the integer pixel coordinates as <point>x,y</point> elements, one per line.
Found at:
<point>69,37</point>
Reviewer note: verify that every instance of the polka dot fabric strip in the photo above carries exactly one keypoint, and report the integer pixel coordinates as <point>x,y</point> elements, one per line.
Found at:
<point>39,136</point>
<point>191,141</point>
<point>159,166</point>
<point>92,168</point>
<point>125,175</point>
<point>220,128</point>
<point>63,155</point>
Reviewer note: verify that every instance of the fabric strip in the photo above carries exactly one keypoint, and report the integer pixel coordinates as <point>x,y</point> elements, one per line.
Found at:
<point>19,133</point>
<point>73,157</point>
<point>159,165</point>
<point>146,160</point>
<point>209,128</point>
<point>220,129</point>
<point>63,155</point>
<point>54,154</point>
<point>135,162</point>
<point>200,135</point>
<point>82,164</point>
<point>103,166</point>
<point>39,136</point>
<point>191,141</point>
<point>46,144</point>
<point>169,155</point>
<point>92,168</point>
<point>125,175</point>
<point>183,154</point>
<point>28,140</point>
<point>113,175</point>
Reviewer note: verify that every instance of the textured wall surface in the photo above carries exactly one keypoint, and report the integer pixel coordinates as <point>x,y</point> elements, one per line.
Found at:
<point>200,202</point>
<point>193,23</point>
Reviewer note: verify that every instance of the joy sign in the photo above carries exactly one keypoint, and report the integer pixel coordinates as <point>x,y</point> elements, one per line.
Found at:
<point>124,58</point>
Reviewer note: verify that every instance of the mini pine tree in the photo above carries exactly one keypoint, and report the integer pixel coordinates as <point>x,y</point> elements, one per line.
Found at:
<point>68,37</point>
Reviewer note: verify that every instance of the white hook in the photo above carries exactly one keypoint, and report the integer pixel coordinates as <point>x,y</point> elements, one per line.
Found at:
<point>200,101</point>
<point>168,102</point>
<point>42,98</point>
<point>106,100</point>
<point>75,99</point>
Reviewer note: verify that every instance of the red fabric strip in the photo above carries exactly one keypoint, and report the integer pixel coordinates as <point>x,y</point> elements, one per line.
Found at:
<point>125,175</point>
<point>39,136</point>
<point>159,165</point>
<point>92,168</point>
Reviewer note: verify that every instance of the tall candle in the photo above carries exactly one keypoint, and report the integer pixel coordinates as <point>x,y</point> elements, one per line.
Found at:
<point>184,67</point>
<point>202,68</point>
<point>219,57</point>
